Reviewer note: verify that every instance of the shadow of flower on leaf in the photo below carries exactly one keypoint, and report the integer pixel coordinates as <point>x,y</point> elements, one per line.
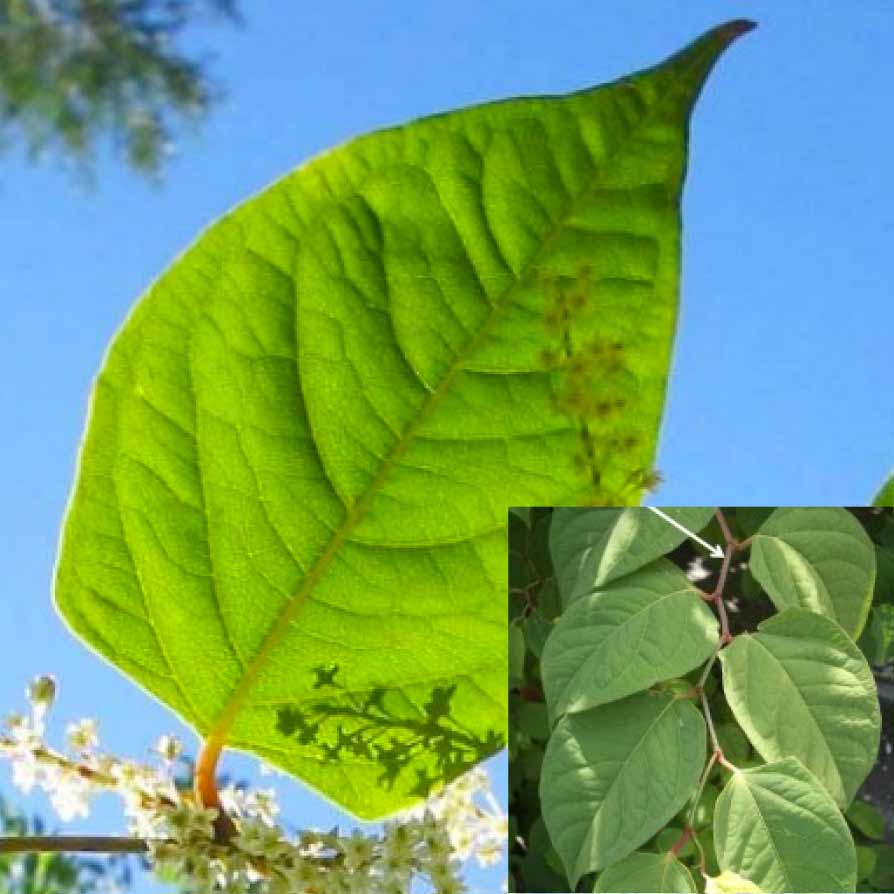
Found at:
<point>369,726</point>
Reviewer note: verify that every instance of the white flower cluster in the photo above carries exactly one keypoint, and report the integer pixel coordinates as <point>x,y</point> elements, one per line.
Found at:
<point>469,812</point>
<point>463,822</point>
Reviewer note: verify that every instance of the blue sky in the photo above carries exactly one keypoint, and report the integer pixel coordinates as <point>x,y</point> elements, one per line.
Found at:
<point>780,391</point>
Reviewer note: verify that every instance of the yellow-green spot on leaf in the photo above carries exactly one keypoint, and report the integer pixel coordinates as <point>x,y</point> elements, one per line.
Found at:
<point>730,883</point>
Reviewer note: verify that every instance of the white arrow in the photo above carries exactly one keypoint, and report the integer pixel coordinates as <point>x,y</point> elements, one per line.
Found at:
<point>715,552</point>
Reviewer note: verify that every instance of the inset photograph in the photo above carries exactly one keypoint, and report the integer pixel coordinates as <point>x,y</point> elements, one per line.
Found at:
<point>701,699</point>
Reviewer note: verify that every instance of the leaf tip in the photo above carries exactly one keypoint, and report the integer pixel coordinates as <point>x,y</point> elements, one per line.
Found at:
<point>736,28</point>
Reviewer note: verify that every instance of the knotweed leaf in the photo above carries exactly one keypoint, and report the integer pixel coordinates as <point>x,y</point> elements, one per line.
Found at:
<point>613,776</point>
<point>650,626</point>
<point>289,518</point>
<point>778,827</point>
<point>818,558</point>
<point>800,687</point>
<point>591,547</point>
<point>646,872</point>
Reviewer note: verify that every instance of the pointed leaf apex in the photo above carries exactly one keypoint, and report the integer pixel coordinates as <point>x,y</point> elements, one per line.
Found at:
<point>736,28</point>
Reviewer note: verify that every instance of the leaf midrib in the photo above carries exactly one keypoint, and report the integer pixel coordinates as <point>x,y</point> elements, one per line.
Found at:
<point>218,732</point>
<point>622,769</point>
<point>756,639</point>
<point>772,841</point>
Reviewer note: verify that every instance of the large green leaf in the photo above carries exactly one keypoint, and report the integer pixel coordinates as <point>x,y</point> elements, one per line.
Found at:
<point>819,558</point>
<point>800,687</point>
<point>290,514</point>
<point>591,547</point>
<point>613,776</point>
<point>645,872</point>
<point>649,626</point>
<point>776,826</point>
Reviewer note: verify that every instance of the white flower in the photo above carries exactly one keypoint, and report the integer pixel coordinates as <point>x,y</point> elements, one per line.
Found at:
<point>262,804</point>
<point>462,821</point>
<point>26,732</point>
<point>490,852</point>
<point>25,773</point>
<point>83,735</point>
<point>697,571</point>
<point>169,748</point>
<point>69,792</point>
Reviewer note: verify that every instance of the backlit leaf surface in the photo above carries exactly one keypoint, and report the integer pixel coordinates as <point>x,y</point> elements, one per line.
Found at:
<point>591,547</point>
<point>613,776</point>
<point>289,519</point>
<point>818,558</point>
<point>778,827</point>
<point>800,687</point>
<point>647,627</point>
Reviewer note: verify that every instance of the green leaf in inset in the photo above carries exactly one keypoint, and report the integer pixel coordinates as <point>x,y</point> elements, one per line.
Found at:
<point>800,687</point>
<point>884,577</point>
<point>613,776</point>
<point>778,827</point>
<point>704,811</point>
<point>872,641</point>
<point>591,547</point>
<point>886,616</point>
<point>538,841</point>
<point>645,872</point>
<point>866,818</point>
<point>866,862</point>
<point>735,745</point>
<point>537,631</point>
<point>750,518</point>
<point>882,875</point>
<point>651,625</point>
<point>521,512</point>
<point>516,654</point>
<point>819,558</point>
<point>533,720</point>
<point>289,520</point>
<point>538,875</point>
<point>885,495</point>
<point>670,836</point>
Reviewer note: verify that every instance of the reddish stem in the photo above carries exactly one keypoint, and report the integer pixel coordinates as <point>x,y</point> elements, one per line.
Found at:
<point>680,843</point>
<point>724,527</point>
<point>725,763</point>
<point>725,635</point>
<point>717,595</point>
